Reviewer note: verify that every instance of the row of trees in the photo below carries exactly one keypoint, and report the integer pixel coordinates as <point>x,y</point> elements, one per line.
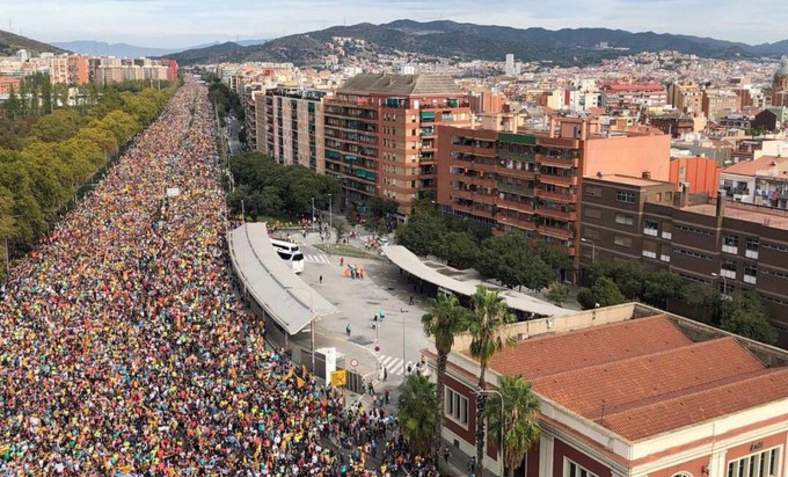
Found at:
<point>266,189</point>
<point>512,259</point>
<point>611,283</point>
<point>421,402</point>
<point>46,163</point>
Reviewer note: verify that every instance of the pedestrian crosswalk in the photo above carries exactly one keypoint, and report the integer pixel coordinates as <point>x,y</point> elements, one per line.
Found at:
<point>318,258</point>
<point>394,365</point>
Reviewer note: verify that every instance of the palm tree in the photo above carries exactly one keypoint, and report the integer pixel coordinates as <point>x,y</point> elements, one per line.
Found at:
<point>443,322</point>
<point>416,416</point>
<point>519,426</point>
<point>490,314</point>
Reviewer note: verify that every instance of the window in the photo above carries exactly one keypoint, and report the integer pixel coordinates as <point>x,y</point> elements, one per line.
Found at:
<point>752,248</point>
<point>626,197</point>
<point>624,219</point>
<point>759,464</point>
<point>730,244</point>
<point>573,469</point>
<point>456,407</point>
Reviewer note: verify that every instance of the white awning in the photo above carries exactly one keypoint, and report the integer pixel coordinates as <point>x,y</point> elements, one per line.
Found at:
<point>411,263</point>
<point>286,298</point>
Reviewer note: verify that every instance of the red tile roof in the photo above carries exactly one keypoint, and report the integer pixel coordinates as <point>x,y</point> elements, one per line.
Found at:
<point>634,87</point>
<point>613,387</point>
<point>538,357</point>
<point>686,409</point>
<point>644,376</point>
<point>751,168</point>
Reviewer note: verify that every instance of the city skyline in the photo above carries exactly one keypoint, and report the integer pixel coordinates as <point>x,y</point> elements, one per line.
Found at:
<point>193,23</point>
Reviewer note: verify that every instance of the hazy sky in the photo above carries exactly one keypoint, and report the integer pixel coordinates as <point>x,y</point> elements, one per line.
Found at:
<point>179,23</point>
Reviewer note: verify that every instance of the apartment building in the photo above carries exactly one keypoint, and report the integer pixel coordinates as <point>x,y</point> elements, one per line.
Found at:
<point>686,96</point>
<point>380,134</point>
<point>780,84</point>
<point>630,390</point>
<point>737,246</point>
<point>717,103</point>
<point>532,182</point>
<point>8,84</point>
<point>289,126</point>
<point>633,97</point>
<point>762,181</point>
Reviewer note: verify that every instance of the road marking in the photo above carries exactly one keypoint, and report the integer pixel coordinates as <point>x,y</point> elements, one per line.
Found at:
<point>317,258</point>
<point>393,364</point>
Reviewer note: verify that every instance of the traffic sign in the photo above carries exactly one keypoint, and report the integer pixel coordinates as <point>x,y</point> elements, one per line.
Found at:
<point>353,362</point>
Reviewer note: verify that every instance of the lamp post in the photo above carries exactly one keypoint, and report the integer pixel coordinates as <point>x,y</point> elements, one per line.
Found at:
<point>593,248</point>
<point>313,211</point>
<point>330,217</point>
<point>503,428</point>
<point>724,292</point>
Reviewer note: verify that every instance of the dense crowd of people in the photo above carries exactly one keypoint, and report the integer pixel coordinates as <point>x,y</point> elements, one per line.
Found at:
<point>124,350</point>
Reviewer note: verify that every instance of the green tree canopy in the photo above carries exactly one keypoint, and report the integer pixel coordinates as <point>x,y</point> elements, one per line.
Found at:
<point>604,293</point>
<point>519,429</point>
<point>744,315</point>
<point>417,418</point>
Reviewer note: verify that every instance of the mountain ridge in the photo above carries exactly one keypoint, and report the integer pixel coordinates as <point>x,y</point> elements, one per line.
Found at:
<point>468,41</point>
<point>10,43</point>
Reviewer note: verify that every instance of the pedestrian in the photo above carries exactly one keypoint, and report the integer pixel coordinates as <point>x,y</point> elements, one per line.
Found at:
<point>370,389</point>
<point>408,368</point>
<point>321,279</point>
<point>446,454</point>
<point>410,301</point>
<point>385,375</point>
<point>347,329</point>
<point>386,396</point>
<point>341,261</point>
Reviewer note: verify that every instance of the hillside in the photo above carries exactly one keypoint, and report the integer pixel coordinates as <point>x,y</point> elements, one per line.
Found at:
<point>100,48</point>
<point>469,41</point>
<point>11,43</point>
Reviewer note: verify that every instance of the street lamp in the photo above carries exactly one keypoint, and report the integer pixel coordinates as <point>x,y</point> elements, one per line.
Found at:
<point>724,292</point>
<point>503,427</point>
<point>330,218</point>
<point>593,248</point>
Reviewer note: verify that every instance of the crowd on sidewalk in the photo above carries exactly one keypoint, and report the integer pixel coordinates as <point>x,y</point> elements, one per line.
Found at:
<point>124,350</point>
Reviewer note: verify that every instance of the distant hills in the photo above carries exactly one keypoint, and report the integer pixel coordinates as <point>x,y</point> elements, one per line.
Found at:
<point>468,41</point>
<point>101,48</point>
<point>11,43</point>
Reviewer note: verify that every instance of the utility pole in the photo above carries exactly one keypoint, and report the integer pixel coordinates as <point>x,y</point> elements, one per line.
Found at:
<point>313,211</point>
<point>330,217</point>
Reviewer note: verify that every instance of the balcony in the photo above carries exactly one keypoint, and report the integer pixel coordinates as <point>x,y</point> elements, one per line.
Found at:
<point>518,173</point>
<point>557,232</point>
<point>519,189</point>
<point>515,222</point>
<point>562,181</point>
<point>479,181</point>
<point>471,210</point>
<point>524,207</point>
<point>665,258</point>
<point>557,196</point>
<point>753,254</point>
<point>667,235</point>
<point>650,254</point>
<point>557,213</point>
<point>751,279</point>
<point>651,232</point>
<point>479,197</point>
<point>557,162</point>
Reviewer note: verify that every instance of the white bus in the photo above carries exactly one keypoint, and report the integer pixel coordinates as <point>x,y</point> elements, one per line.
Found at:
<point>290,253</point>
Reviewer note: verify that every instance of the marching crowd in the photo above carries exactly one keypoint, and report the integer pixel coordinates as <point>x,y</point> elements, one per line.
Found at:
<point>124,350</point>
